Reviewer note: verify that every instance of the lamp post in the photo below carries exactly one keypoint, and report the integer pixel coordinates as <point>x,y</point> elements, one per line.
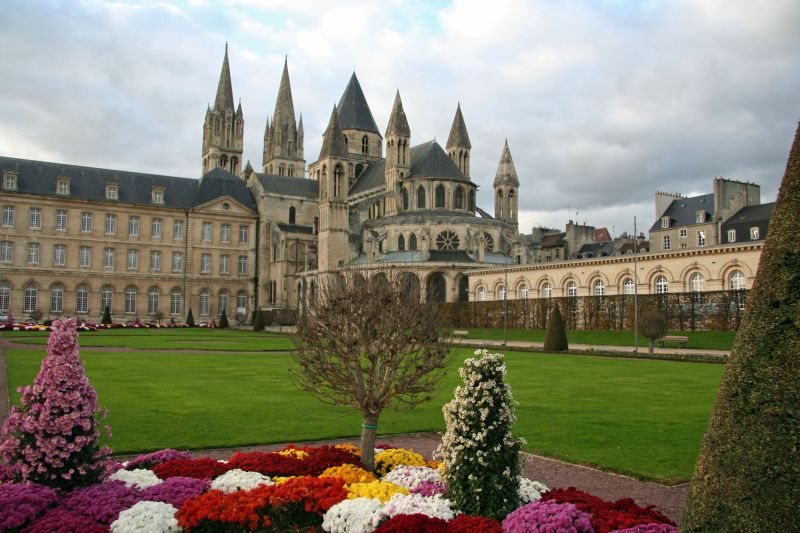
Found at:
<point>635,291</point>
<point>505,298</point>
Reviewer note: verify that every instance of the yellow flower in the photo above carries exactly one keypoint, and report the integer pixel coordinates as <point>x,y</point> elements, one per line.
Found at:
<point>292,452</point>
<point>388,459</point>
<point>436,465</point>
<point>382,490</point>
<point>349,473</point>
<point>278,480</point>
<point>349,447</point>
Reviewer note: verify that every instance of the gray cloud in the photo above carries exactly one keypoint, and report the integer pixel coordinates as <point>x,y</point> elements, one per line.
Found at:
<point>602,103</point>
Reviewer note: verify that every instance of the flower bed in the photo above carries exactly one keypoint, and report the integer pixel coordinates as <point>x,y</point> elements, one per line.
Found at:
<point>300,488</point>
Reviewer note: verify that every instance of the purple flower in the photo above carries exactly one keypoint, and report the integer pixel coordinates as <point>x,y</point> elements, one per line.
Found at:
<point>149,460</point>
<point>547,516</point>
<point>21,503</point>
<point>176,490</point>
<point>60,520</point>
<point>102,503</point>
<point>430,488</point>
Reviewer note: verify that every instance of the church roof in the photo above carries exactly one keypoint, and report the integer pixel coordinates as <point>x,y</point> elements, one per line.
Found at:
<point>398,123</point>
<point>373,177</point>
<point>333,139</point>
<point>506,173</point>
<point>354,112</point>
<point>88,183</point>
<point>290,186</point>
<point>224,99</point>
<point>458,131</point>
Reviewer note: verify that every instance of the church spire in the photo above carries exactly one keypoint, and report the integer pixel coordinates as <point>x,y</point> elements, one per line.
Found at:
<point>506,173</point>
<point>283,144</point>
<point>506,185</point>
<point>398,123</point>
<point>284,106</point>
<point>458,145</point>
<point>333,139</point>
<point>224,99</point>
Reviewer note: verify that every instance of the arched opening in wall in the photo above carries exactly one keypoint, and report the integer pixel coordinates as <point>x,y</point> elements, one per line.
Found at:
<point>662,285</point>
<point>522,291</point>
<point>481,294</point>
<point>222,303</point>
<point>234,164</point>
<point>359,281</point>
<point>472,200</point>
<point>736,281</point>
<point>404,195</point>
<point>599,288</point>
<point>364,145</point>
<point>338,174</point>
<point>323,182</point>
<point>510,209</point>
<point>409,282</point>
<point>359,168</point>
<point>175,302</point>
<point>153,297</point>
<point>572,289</point>
<point>420,197</point>
<point>312,291</point>
<point>57,298</point>
<point>82,299</point>
<point>488,243</point>
<point>459,199</point>
<point>628,287</point>
<point>696,282</point>
<point>401,243</point>
<point>292,215</point>
<point>5,297</point>
<point>379,278</point>
<point>439,196</point>
<point>412,242</point>
<point>346,142</point>
<point>547,290</point>
<point>499,204</point>
<point>223,161</point>
<point>437,286</point>
<point>463,288</point>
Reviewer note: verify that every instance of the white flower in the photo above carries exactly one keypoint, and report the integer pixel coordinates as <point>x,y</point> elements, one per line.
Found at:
<point>351,516</point>
<point>236,479</point>
<point>139,478</point>
<point>153,517</point>
<point>530,490</point>
<point>411,476</point>
<point>435,507</point>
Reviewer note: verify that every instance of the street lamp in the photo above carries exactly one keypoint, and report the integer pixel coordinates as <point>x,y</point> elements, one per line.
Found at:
<point>505,297</point>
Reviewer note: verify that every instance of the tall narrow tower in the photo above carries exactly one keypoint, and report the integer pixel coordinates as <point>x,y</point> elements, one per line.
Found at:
<point>506,186</point>
<point>458,145</point>
<point>283,136</point>
<point>358,124</point>
<point>398,154</point>
<point>223,129</point>
<point>330,169</point>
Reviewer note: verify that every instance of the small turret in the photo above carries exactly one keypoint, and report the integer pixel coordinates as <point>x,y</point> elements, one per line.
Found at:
<point>506,185</point>
<point>398,153</point>
<point>458,145</point>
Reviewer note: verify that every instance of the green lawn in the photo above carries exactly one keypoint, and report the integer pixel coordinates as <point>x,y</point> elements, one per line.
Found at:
<point>713,340</point>
<point>644,418</point>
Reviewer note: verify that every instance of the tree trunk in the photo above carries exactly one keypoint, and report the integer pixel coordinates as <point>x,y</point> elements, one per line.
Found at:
<point>652,345</point>
<point>369,428</point>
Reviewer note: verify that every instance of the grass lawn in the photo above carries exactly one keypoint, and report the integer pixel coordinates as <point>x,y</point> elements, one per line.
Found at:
<point>712,340</point>
<point>644,418</point>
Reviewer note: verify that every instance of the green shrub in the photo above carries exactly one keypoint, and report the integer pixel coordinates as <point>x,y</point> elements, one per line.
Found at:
<point>555,339</point>
<point>258,321</point>
<point>652,325</point>
<point>106,316</point>
<point>223,320</point>
<point>190,318</point>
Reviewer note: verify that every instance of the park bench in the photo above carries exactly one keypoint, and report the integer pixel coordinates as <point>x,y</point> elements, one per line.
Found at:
<point>679,339</point>
<point>460,334</point>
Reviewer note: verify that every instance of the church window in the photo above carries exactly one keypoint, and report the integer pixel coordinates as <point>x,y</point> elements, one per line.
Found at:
<point>420,197</point>
<point>440,196</point>
<point>292,215</point>
<point>412,242</point>
<point>472,200</point>
<point>401,243</point>
<point>499,204</point>
<point>447,240</point>
<point>337,181</point>
<point>488,243</point>
<point>459,198</point>
<point>510,209</point>
<point>404,194</point>
<point>364,145</point>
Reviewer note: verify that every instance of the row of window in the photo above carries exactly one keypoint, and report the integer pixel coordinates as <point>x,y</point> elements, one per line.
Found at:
<point>110,226</point>
<point>130,298</point>
<point>460,199</point>
<point>109,258</point>
<point>63,188</point>
<point>699,218</point>
<point>736,282</point>
<point>755,234</point>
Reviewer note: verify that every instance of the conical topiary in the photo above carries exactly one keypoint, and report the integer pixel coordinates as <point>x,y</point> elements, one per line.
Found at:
<point>258,322</point>
<point>190,318</point>
<point>555,339</point>
<point>106,316</point>
<point>480,456</point>
<point>223,320</point>
<point>747,476</point>
<point>52,438</point>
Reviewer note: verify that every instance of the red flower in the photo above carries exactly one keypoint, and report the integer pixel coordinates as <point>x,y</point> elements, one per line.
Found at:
<point>413,523</point>
<point>473,524</point>
<point>197,468</point>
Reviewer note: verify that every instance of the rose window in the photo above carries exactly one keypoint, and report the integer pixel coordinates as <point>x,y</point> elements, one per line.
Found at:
<point>447,240</point>
<point>488,243</point>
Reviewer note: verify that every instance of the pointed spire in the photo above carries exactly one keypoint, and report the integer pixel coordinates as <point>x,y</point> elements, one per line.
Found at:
<point>266,129</point>
<point>284,106</point>
<point>458,132</point>
<point>333,139</point>
<point>506,173</point>
<point>224,100</point>
<point>398,123</point>
<point>354,112</point>
<point>300,125</point>
<point>248,168</point>
<point>239,109</point>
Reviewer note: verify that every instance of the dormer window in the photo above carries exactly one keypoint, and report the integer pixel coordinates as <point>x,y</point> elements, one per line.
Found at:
<point>158,196</point>
<point>9,181</point>
<point>731,235</point>
<point>701,217</point>
<point>754,233</point>
<point>664,222</point>
<point>112,191</point>
<point>62,186</point>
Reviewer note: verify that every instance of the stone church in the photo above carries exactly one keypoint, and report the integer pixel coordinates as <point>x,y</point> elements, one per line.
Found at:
<point>370,201</point>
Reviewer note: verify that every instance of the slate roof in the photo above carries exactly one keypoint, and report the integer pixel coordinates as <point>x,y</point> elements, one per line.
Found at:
<point>451,256</point>
<point>88,183</point>
<point>296,228</point>
<point>596,249</point>
<point>398,122</point>
<point>746,218</point>
<point>290,186</point>
<point>333,140</point>
<point>354,112</point>
<point>554,239</point>
<point>683,211</point>
<point>458,132</point>
<point>372,177</point>
<point>644,246</point>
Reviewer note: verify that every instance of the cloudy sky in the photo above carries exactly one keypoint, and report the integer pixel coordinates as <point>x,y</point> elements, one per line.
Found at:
<point>603,102</point>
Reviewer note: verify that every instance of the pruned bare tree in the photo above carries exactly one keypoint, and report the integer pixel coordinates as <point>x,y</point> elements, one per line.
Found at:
<point>370,345</point>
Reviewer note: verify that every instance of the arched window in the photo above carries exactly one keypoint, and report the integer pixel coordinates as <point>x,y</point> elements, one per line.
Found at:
<point>523,292</point>
<point>472,200</point>
<point>510,209</point>
<point>204,307</point>
<point>222,302</point>
<point>662,285</point>
<point>292,215</point>
<point>241,302</point>
<point>106,298</point>
<point>401,243</point>
<point>599,288</point>
<point>437,287</point>
<point>175,302</point>
<point>447,240</point>
<point>628,286</point>
<point>404,194</point>
<point>501,292</point>
<point>420,197</point>
<point>31,297</point>
<point>82,299</point>
<point>482,294</point>
<point>696,282</point>
<point>572,289</point>
<point>5,296</point>
<point>130,300</point>
<point>412,242</point>
<point>547,290</point>
<point>439,196</point>
<point>459,200</point>
<point>364,145</point>
<point>499,204</point>
<point>735,281</point>
<point>153,297</point>
<point>57,298</point>
<point>337,181</point>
